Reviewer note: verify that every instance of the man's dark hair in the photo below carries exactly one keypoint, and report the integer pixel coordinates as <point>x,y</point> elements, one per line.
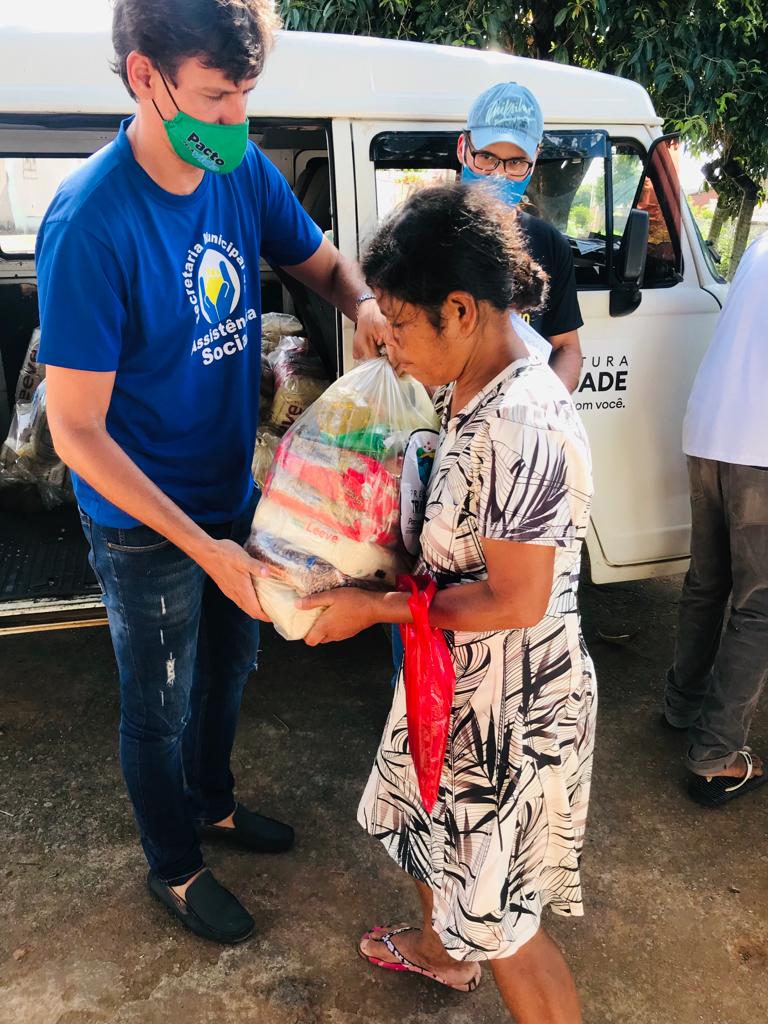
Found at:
<point>233,36</point>
<point>454,238</point>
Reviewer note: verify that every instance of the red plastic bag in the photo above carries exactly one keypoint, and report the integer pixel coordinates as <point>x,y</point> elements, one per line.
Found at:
<point>430,680</point>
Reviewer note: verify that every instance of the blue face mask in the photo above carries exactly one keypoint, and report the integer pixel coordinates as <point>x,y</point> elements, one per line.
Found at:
<point>508,191</point>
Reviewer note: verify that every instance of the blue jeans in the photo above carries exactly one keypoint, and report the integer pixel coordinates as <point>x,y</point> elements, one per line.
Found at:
<point>184,652</point>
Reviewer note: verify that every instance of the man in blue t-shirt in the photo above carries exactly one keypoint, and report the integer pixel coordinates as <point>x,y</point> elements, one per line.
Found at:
<point>148,271</point>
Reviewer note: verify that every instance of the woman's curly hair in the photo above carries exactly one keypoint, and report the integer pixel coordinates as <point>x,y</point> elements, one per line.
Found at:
<point>455,238</point>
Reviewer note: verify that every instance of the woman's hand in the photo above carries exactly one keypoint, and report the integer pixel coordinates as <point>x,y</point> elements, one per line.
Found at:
<point>346,613</point>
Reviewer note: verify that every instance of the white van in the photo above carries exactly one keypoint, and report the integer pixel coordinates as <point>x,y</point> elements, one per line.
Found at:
<point>354,123</point>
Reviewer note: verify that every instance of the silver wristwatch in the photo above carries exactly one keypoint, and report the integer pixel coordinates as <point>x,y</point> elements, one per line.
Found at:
<point>360,300</point>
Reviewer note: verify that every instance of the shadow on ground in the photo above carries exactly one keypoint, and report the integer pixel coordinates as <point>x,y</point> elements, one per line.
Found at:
<point>676,930</point>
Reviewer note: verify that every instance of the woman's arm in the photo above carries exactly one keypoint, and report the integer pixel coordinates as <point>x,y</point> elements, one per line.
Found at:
<point>515,595</point>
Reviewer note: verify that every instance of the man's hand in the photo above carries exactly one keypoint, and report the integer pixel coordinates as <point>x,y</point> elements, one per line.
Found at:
<point>235,573</point>
<point>372,331</point>
<point>347,612</point>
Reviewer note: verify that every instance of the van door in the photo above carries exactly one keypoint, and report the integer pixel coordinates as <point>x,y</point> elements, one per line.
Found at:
<point>639,366</point>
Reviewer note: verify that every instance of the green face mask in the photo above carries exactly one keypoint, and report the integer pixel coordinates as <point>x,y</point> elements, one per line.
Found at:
<point>213,147</point>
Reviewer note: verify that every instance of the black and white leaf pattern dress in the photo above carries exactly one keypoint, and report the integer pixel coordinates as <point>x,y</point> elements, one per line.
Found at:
<point>505,837</point>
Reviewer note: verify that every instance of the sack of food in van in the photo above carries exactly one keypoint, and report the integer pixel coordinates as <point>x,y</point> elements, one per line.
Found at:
<point>55,487</point>
<point>300,378</point>
<point>275,327</point>
<point>28,455</point>
<point>17,439</point>
<point>31,372</point>
<point>344,499</point>
<point>267,441</point>
<point>35,444</point>
<point>266,389</point>
<point>30,376</point>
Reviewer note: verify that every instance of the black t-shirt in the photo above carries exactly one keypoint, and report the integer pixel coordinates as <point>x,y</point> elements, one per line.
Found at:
<point>552,252</point>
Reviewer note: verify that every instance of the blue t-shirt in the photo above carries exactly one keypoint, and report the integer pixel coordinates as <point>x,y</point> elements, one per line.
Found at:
<point>164,289</point>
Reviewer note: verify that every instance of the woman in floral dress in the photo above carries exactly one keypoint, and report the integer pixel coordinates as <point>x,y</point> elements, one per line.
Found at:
<point>507,512</point>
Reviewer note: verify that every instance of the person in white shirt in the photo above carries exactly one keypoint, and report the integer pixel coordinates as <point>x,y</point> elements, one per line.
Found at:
<point>714,686</point>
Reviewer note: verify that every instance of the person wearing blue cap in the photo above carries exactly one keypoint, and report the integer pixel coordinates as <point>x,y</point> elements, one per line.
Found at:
<point>500,146</point>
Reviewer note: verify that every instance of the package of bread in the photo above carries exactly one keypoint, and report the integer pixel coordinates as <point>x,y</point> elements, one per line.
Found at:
<point>344,498</point>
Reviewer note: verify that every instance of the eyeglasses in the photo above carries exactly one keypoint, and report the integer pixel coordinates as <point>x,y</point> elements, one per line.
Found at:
<point>515,167</point>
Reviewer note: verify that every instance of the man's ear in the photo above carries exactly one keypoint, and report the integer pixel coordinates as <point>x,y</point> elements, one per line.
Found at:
<point>141,72</point>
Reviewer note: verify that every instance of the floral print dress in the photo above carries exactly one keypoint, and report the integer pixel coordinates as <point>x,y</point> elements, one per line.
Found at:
<point>505,836</point>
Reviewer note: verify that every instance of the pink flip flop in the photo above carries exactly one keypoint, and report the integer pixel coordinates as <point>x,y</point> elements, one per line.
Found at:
<point>404,964</point>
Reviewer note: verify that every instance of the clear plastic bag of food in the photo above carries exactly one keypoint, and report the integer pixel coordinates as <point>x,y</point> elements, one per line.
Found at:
<point>344,501</point>
<point>299,379</point>
<point>275,327</point>
<point>264,454</point>
<point>28,455</point>
<point>266,389</point>
<point>16,443</point>
<point>32,372</point>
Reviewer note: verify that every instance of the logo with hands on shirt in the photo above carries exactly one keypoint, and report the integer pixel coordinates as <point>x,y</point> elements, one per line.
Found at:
<point>218,286</point>
<point>215,284</point>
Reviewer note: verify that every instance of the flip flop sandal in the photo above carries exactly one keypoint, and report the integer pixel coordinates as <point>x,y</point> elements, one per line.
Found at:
<point>404,964</point>
<point>716,790</point>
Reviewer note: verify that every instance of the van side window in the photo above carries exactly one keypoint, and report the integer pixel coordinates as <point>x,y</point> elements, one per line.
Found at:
<point>27,186</point>
<point>656,190</point>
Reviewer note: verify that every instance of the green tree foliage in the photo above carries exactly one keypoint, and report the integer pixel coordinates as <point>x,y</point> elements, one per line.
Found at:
<point>430,21</point>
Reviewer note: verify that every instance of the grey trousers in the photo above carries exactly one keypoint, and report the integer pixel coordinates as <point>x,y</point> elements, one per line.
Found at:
<point>717,678</point>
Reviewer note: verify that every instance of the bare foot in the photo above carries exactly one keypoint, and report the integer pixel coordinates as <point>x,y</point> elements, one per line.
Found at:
<point>228,822</point>
<point>181,890</point>
<point>739,768</point>
<point>453,972</point>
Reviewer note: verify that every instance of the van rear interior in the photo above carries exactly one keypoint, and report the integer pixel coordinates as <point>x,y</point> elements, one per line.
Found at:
<point>44,571</point>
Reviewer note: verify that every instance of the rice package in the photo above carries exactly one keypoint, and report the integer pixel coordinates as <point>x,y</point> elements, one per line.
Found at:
<point>343,503</point>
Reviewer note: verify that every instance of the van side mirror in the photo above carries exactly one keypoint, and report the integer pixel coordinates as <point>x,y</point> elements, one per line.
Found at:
<point>630,264</point>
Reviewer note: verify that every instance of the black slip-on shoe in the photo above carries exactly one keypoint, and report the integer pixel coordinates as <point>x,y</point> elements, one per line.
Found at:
<point>252,832</point>
<point>208,909</point>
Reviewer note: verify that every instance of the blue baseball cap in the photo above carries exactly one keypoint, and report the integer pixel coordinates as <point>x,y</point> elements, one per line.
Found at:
<point>507,112</point>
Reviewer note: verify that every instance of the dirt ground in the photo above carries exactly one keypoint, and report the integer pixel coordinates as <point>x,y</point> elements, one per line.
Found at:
<point>676,925</point>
